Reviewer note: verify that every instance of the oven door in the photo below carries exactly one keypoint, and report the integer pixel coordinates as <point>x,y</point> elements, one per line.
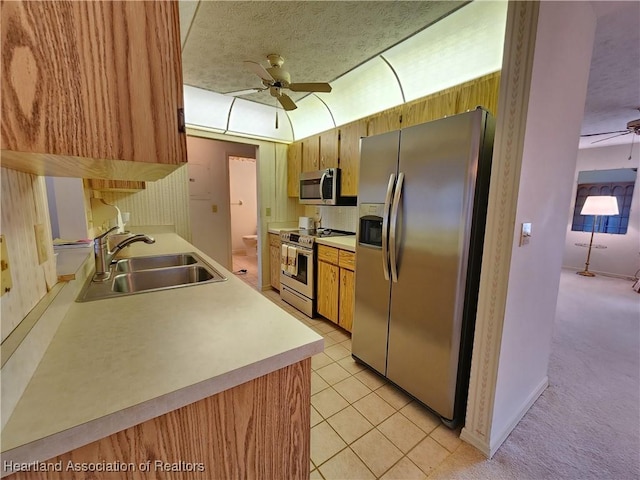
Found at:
<point>303,282</point>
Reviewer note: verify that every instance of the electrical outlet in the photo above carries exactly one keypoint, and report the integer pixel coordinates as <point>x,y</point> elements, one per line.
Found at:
<point>214,208</point>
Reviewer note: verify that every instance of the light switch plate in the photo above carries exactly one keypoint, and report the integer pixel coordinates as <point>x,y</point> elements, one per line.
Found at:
<point>525,234</point>
<point>214,208</point>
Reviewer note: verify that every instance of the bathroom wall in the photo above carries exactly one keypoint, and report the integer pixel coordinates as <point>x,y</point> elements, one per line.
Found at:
<point>242,189</point>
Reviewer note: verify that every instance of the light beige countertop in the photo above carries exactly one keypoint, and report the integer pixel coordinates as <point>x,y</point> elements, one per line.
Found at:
<point>117,362</point>
<point>345,243</point>
<point>277,230</point>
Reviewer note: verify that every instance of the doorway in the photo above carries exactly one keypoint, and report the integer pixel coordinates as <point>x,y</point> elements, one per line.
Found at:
<point>243,202</point>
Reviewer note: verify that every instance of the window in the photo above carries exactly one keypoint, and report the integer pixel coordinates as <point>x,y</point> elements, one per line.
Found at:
<point>618,183</point>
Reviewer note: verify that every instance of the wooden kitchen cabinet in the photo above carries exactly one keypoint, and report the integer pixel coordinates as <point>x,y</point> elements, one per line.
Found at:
<point>92,89</point>
<point>274,260</point>
<point>294,167</point>
<point>311,154</point>
<point>116,185</point>
<point>336,285</point>
<point>350,136</point>
<point>384,122</point>
<point>329,148</point>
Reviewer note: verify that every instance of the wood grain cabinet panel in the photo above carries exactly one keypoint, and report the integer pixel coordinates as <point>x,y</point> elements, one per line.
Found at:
<point>116,185</point>
<point>259,429</point>
<point>384,122</point>
<point>350,136</point>
<point>274,260</point>
<point>329,147</point>
<point>336,285</point>
<point>347,299</point>
<point>294,167</point>
<point>433,107</point>
<point>328,290</point>
<point>92,89</point>
<point>311,154</point>
<point>482,91</point>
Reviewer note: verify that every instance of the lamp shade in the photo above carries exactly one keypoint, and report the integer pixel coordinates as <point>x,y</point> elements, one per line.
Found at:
<point>600,205</point>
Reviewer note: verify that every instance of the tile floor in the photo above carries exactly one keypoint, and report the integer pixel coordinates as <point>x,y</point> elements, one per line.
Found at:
<point>250,264</point>
<point>361,426</point>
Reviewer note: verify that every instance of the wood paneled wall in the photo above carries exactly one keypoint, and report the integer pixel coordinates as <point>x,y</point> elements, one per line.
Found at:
<point>259,429</point>
<point>24,205</point>
<point>163,202</point>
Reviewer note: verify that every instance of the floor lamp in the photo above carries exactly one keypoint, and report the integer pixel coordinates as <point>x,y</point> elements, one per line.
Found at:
<point>597,206</point>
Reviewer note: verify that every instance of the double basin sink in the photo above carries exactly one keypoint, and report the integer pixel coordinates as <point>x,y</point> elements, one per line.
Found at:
<point>151,273</point>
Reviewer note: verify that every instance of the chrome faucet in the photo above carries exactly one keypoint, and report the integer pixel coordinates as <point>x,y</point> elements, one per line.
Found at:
<point>104,256</point>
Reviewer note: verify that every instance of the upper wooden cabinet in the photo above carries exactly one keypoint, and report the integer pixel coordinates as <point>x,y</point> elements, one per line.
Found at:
<point>294,167</point>
<point>311,154</point>
<point>384,122</point>
<point>329,149</point>
<point>92,89</point>
<point>350,136</point>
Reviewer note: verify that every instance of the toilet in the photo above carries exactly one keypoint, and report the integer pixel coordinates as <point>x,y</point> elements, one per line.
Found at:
<point>250,244</point>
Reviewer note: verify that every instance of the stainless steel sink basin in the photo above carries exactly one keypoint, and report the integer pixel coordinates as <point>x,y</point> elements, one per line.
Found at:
<point>154,261</point>
<point>151,273</point>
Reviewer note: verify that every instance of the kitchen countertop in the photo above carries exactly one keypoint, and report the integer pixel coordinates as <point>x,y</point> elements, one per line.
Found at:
<point>347,242</point>
<point>115,363</point>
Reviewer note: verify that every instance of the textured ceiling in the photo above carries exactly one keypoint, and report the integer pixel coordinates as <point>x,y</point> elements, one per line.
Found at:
<point>320,41</point>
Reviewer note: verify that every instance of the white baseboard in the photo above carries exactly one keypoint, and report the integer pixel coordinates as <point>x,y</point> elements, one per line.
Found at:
<point>491,447</point>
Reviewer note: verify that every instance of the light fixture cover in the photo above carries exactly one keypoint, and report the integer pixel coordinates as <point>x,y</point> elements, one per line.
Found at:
<point>600,205</point>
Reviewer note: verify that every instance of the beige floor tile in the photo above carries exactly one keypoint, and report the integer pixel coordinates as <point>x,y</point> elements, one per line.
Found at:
<point>378,453</point>
<point>317,383</point>
<point>449,439</point>
<point>352,389</point>
<point>346,465</point>
<point>401,431</point>
<point>405,469</point>
<point>422,417</point>
<point>347,344</point>
<point>374,409</point>
<point>328,402</point>
<point>350,365</point>
<point>316,418</point>
<point>393,396</point>
<point>320,360</point>
<point>340,336</point>
<point>333,373</point>
<point>428,454</point>
<point>325,443</point>
<point>324,327</point>
<point>315,475</point>
<point>328,341</point>
<point>370,379</point>
<point>337,352</point>
<point>349,424</point>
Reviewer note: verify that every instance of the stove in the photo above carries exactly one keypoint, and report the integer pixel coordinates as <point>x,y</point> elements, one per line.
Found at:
<point>307,238</point>
<point>297,284</point>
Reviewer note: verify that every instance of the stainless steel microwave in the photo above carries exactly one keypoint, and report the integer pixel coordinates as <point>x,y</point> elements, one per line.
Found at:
<point>323,188</point>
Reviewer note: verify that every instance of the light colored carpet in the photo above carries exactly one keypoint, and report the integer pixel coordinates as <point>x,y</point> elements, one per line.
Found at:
<point>586,425</point>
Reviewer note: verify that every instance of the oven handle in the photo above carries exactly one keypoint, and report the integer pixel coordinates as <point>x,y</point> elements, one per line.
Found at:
<point>385,227</point>
<point>301,251</point>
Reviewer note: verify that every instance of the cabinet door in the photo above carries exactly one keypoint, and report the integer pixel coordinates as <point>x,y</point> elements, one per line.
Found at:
<point>329,149</point>
<point>384,122</point>
<point>294,167</point>
<point>274,266</point>
<point>328,288</point>
<point>347,298</point>
<point>116,185</point>
<point>482,91</point>
<point>85,82</point>
<point>430,108</point>
<point>311,154</point>
<point>350,136</point>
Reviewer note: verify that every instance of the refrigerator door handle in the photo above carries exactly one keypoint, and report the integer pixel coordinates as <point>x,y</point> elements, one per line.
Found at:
<point>385,226</point>
<point>392,231</point>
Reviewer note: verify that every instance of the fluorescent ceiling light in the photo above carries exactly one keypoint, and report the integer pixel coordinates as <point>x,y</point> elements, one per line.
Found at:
<point>465,45</point>
<point>251,118</point>
<point>311,116</point>
<point>206,108</point>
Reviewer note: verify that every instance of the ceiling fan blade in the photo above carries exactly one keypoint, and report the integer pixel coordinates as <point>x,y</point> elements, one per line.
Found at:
<point>258,70</point>
<point>286,102</point>
<point>609,138</point>
<point>310,87</point>
<point>247,91</point>
<point>603,133</point>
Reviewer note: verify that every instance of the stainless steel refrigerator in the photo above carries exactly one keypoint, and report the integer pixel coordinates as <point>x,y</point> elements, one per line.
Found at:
<point>422,210</point>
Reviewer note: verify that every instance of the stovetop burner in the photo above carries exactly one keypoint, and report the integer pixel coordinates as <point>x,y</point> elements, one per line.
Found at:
<point>307,237</point>
<point>326,232</point>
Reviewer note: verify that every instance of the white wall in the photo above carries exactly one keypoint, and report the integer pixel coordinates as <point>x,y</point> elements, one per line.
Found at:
<point>555,108</point>
<point>622,255</point>
<point>209,190</point>
<point>244,217</point>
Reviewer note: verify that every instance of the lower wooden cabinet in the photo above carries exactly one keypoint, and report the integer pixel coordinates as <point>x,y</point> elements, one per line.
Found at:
<point>274,260</point>
<point>336,285</point>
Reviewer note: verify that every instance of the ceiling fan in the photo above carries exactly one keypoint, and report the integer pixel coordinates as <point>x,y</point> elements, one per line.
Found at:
<point>275,78</point>
<point>632,127</point>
